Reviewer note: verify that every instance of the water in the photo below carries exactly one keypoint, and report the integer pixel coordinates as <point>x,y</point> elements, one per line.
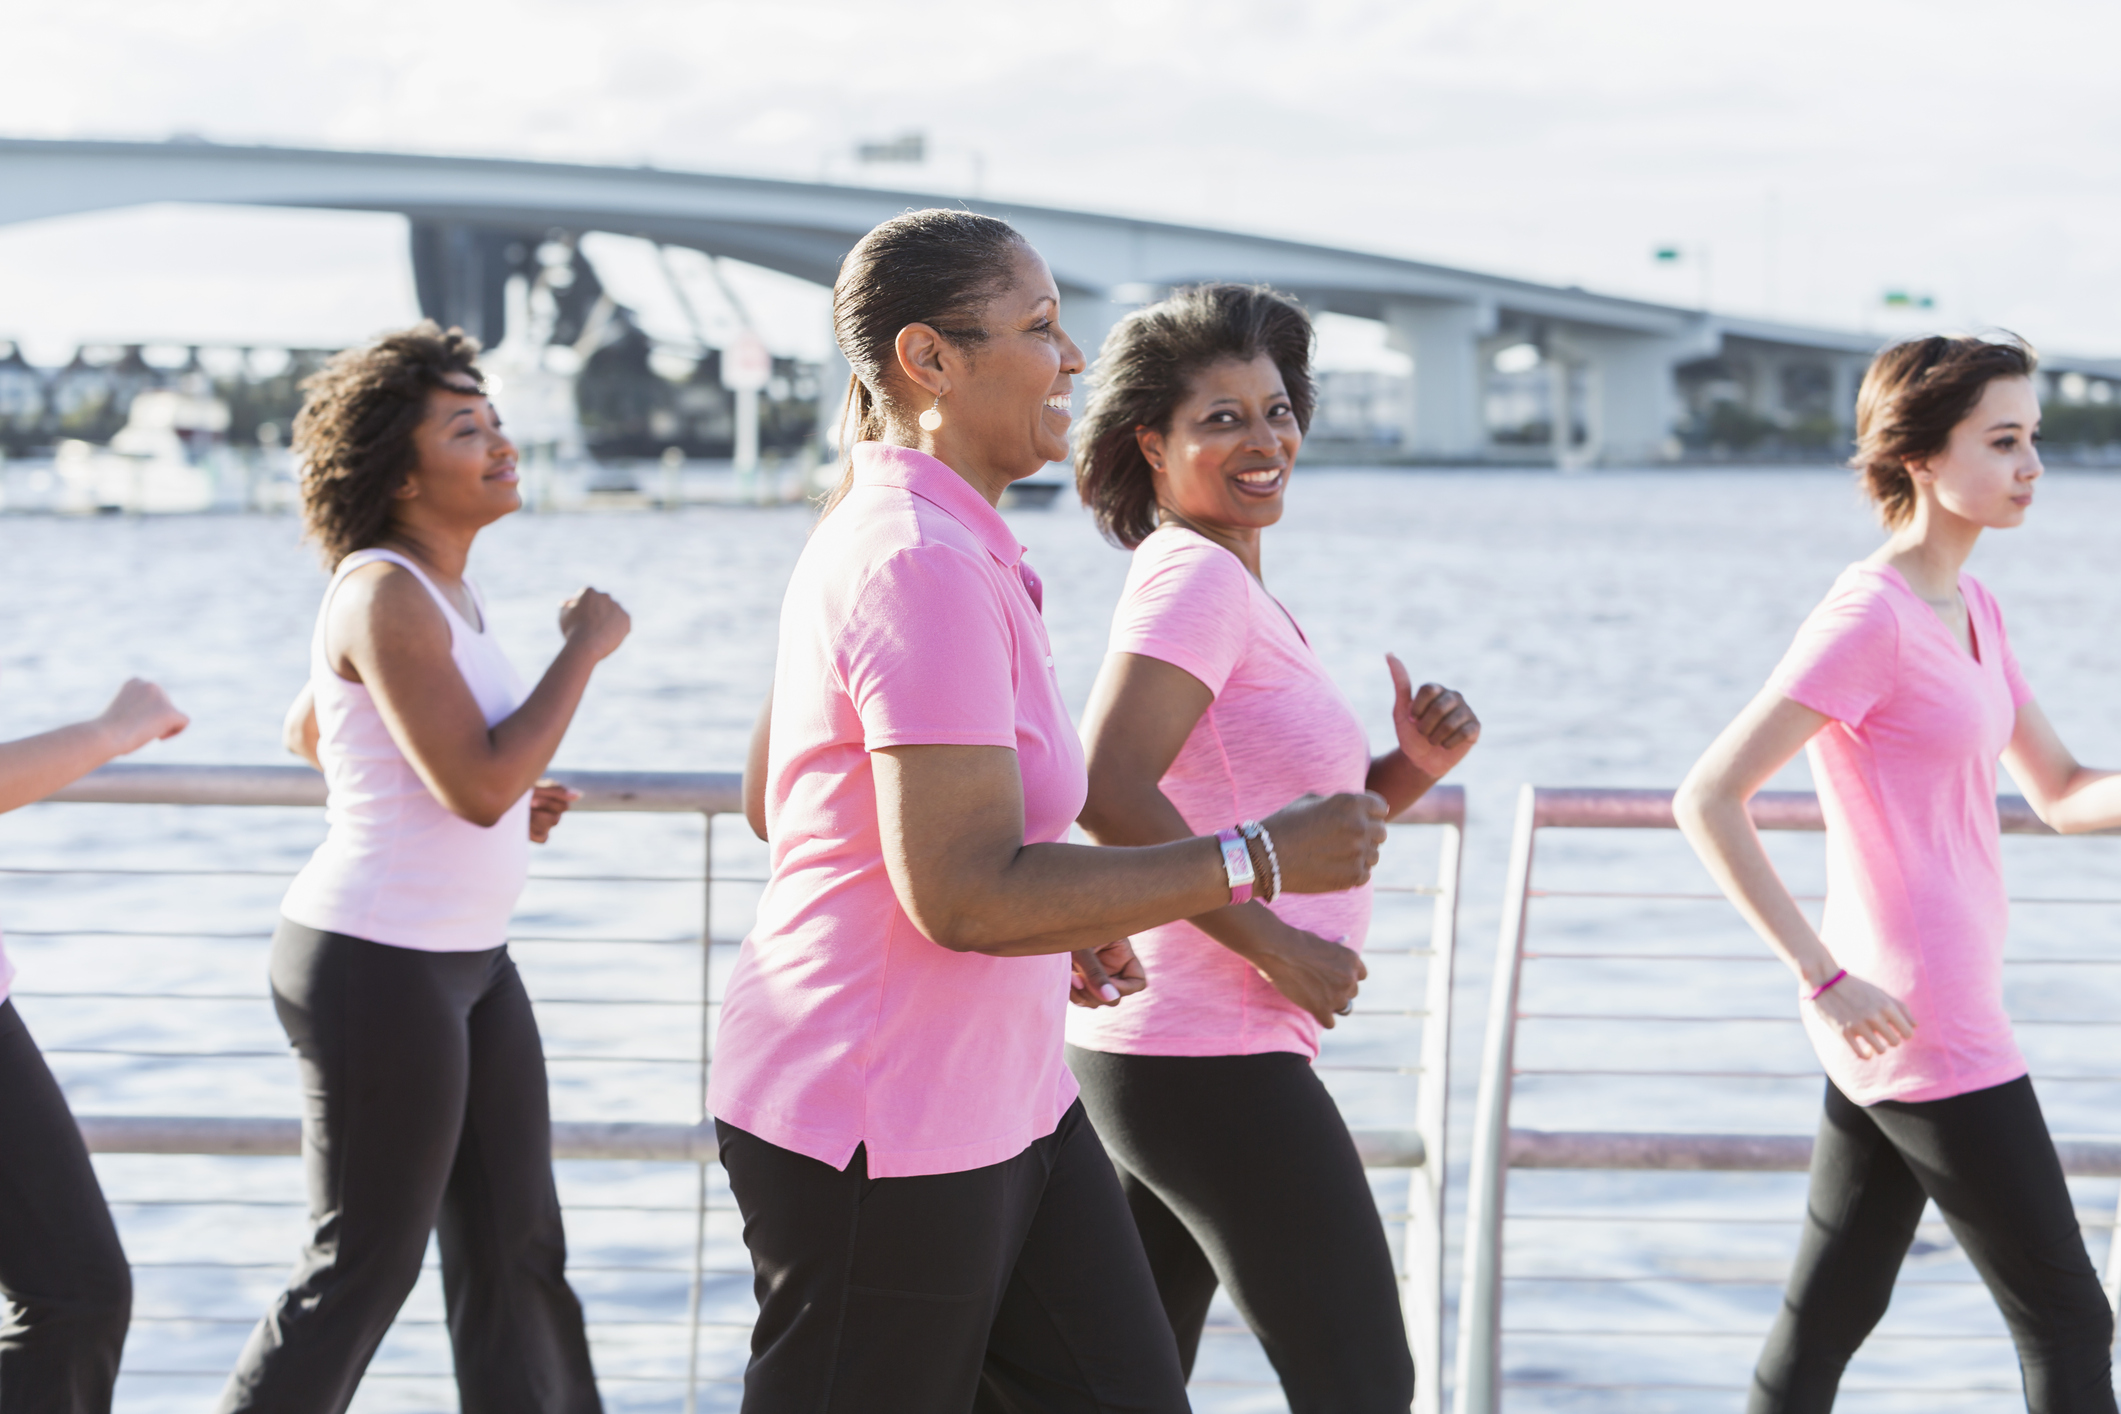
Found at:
<point>1605,627</point>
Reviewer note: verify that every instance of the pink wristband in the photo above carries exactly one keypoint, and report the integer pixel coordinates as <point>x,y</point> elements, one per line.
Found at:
<point>1824,987</point>
<point>1237,864</point>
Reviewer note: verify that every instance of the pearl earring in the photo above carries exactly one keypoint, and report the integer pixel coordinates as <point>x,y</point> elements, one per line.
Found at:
<point>933,417</point>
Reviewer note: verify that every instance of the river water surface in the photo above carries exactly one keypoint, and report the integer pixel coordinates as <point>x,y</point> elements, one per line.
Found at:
<point>1605,627</point>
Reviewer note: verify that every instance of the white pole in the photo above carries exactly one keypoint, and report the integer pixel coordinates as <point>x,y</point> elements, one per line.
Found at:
<point>747,431</point>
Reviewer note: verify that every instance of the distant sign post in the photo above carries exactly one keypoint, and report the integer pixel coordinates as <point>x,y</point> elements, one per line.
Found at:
<point>747,366</point>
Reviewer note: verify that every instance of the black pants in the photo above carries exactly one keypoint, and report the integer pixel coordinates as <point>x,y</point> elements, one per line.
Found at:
<point>1018,1288</point>
<point>1986,1160</point>
<point>1240,1172</point>
<point>61,1268</point>
<point>424,1110</point>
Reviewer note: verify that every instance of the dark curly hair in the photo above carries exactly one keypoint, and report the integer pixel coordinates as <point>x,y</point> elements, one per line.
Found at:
<point>353,437</point>
<point>1147,366</point>
<point>937,267</point>
<point>1915,393</point>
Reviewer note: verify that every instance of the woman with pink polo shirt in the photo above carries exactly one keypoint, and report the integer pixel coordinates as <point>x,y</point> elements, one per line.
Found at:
<point>1902,689</point>
<point>933,1223</point>
<point>62,1270</point>
<point>1212,702</point>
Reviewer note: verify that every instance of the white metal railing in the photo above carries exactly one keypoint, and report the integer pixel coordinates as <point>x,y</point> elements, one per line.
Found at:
<point>707,795</point>
<point>1498,1148</point>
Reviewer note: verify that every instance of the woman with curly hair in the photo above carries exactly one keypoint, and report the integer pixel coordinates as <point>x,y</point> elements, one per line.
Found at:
<point>423,1076</point>
<point>1902,689</point>
<point>1212,703</point>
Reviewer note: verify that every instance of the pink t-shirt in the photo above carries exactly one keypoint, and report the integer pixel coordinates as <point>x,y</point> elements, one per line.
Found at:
<point>1277,729</point>
<point>1906,773</point>
<point>911,620</point>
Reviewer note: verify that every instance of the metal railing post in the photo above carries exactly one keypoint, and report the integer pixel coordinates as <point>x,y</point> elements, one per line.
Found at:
<point>699,1217</point>
<point>1426,1185</point>
<point>1480,1297</point>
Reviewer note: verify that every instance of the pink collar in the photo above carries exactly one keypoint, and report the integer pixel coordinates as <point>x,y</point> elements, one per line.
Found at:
<point>876,464</point>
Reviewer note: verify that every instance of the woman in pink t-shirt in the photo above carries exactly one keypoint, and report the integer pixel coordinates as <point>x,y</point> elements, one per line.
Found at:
<point>931,1218</point>
<point>1902,688</point>
<point>1212,703</point>
<point>62,1270</point>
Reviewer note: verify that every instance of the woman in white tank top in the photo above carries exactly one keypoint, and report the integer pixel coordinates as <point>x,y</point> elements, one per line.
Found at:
<point>421,1066</point>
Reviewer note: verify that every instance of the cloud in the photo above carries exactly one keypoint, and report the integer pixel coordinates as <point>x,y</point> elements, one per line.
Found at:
<point>1820,151</point>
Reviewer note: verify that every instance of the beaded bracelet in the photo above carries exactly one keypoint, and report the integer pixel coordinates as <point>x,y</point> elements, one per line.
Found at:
<point>1253,830</point>
<point>1824,987</point>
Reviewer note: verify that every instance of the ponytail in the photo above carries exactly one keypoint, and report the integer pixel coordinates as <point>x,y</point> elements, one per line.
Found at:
<point>861,420</point>
<point>935,267</point>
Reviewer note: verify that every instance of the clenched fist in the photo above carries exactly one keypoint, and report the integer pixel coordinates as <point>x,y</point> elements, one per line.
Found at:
<point>594,619</point>
<point>1328,843</point>
<point>139,714</point>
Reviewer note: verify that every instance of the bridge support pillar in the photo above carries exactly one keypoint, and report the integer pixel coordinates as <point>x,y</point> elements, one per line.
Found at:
<point>460,273</point>
<point>1447,419</point>
<point>1846,377</point>
<point>1630,395</point>
<point>1087,316</point>
<point>834,375</point>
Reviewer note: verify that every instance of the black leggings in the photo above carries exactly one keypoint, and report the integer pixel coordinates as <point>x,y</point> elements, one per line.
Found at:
<point>1240,1171</point>
<point>1017,1288</point>
<point>424,1110</point>
<point>1986,1160</point>
<point>61,1268</point>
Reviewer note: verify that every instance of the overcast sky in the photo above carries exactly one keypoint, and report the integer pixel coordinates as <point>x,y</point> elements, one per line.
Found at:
<point>1815,152</point>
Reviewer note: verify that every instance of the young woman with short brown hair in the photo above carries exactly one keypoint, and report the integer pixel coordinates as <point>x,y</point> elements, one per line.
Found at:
<point>1903,690</point>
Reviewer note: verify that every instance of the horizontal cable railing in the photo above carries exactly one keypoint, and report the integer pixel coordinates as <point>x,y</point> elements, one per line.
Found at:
<point>1499,1148</point>
<point>1418,1148</point>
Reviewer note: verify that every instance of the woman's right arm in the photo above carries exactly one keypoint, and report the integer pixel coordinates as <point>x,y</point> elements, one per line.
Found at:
<point>35,766</point>
<point>952,820</point>
<point>1141,712</point>
<point>389,632</point>
<point>1711,809</point>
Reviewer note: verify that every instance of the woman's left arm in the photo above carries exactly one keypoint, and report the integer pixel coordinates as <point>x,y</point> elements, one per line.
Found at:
<point>2073,799</point>
<point>299,733</point>
<point>1435,728</point>
<point>35,766</point>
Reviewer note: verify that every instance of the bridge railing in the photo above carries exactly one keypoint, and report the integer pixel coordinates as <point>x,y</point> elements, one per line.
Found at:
<point>1709,1271</point>
<point>648,1355</point>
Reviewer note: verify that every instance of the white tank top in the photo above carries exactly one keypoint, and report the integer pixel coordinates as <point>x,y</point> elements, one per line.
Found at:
<point>396,867</point>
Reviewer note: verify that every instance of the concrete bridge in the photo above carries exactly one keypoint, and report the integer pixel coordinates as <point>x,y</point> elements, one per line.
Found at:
<point>1613,376</point>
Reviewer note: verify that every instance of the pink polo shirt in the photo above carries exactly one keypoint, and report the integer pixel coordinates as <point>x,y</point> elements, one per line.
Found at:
<point>911,620</point>
<point>1906,773</point>
<point>1278,728</point>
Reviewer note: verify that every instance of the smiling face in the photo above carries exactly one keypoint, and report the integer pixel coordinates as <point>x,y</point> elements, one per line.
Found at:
<point>464,468</point>
<point>1985,473</point>
<point>1225,460</point>
<point>1005,411</point>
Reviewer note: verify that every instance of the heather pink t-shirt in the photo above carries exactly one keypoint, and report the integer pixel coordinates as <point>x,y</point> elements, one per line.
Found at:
<point>1906,773</point>
<point>911,620</point>
<point>1277,729</point>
